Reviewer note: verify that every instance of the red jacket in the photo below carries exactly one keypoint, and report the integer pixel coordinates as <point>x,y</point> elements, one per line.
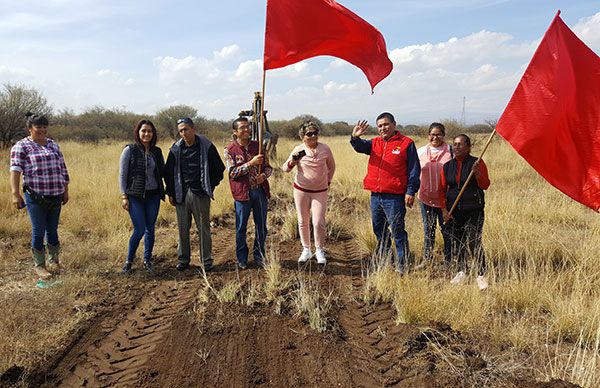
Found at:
<point>394,166</point>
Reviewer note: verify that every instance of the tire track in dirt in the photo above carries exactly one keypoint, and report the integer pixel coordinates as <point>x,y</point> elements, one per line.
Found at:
<point>370,330</point>
<point>117,358</point>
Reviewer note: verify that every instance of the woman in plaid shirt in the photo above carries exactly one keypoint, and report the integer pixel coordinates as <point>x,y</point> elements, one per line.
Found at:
<point>45,185</point>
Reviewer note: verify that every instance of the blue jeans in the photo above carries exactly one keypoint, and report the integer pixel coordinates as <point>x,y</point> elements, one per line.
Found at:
<point>257,203</point>
<point>44,224</point>
<point>143,213</point>
<point>387,213</point>
<point>432,216</point>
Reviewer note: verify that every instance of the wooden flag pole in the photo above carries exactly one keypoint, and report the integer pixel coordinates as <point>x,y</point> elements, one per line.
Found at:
<point>262,117</point>
<point>471,173</point>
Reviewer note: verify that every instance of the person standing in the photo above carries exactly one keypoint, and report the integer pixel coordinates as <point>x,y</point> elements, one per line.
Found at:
<point>40,162</point>
<point>393,180</point>
<point>466,221</point>
<point>432,158</point>
<point>248,172</point>
<point>316,167</point>
<point>192,172</point>
<point>141,171</point>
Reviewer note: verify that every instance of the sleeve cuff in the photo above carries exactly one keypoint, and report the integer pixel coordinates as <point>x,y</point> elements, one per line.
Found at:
<point>16,168</point>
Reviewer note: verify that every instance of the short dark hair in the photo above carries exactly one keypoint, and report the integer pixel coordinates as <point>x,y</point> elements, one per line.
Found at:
<point>304,128</point>
<point>136,132</point>
<point>185,120</point>
<point>387,115</point>
<point>467,139</point>
<point>33,119</point>
<point>234,125</point>
<point>439,126</point>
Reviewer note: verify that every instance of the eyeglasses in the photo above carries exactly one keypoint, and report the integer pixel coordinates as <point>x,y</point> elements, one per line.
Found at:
<point>436,135</point>
<point>311,134</point>
<point>185,120</point>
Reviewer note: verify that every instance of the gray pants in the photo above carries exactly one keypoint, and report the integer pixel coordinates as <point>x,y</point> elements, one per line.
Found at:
<point>199,207</point>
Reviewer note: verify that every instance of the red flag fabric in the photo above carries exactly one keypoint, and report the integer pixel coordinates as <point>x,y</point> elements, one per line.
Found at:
<point>553,117</point>
<point>301,29</point>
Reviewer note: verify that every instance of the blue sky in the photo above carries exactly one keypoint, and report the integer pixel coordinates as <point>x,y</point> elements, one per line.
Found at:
<point>144,56</point>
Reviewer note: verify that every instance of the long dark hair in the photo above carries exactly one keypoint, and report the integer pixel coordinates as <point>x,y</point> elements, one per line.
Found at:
<point>136,132</point>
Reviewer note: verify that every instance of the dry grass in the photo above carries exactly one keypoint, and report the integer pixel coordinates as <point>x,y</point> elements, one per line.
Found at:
<point>544,271</point>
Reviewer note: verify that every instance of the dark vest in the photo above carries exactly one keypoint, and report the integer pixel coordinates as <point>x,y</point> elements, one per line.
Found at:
<point>473,197</point>
<point>136,179</point>
<point>240,187</point>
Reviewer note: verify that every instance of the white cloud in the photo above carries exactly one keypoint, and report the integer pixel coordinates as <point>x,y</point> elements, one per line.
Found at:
<point>248,70</point>
<point>334,88</point>
<point>227,52</point>
<point>294,71</point>
<point>9,72</point>
<point>338,64</point>
<point>454,52</point>
<point>184,70</point>
<point>588,30</point>
<point>107,73</point>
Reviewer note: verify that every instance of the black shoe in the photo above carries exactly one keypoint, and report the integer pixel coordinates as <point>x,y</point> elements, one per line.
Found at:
<point>182,266</point>
<point>242,265</point>
<point>127,270</point>
<point>148,266</point>
<point>208,267</point>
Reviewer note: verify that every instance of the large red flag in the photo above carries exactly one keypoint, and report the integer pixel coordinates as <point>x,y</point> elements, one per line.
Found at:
<point>553,117</point>
<point>301,29</point>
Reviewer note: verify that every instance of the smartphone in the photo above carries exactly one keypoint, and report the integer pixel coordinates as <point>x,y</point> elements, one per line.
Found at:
<point>297,156</point>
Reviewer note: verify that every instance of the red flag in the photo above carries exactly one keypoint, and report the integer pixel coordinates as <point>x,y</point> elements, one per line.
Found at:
<point>301,29</point>
<point>553,117</point>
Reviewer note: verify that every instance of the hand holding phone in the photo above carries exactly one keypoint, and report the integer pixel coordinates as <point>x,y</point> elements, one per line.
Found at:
<point>298,155</point>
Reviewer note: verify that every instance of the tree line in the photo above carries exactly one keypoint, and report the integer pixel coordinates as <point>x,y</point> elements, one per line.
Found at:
<point>98,123</point>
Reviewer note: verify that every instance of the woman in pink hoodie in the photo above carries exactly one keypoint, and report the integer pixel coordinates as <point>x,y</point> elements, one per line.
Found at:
<point>432,158</point>
<point>315,169</point>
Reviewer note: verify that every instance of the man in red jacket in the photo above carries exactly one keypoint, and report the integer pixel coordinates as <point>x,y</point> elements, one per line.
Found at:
<point>393,177</point>
<point>248,172</point>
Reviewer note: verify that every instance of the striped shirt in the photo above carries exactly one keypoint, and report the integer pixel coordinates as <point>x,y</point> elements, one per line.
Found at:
<point>43,167</point>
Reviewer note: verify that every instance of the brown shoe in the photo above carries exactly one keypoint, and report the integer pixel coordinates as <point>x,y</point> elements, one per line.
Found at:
<point>54,267</point>
<point>42,272</point>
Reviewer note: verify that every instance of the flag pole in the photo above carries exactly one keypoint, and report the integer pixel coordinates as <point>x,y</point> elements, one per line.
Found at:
<point>262,113</point>
<point>262,117</point>
<point>471,173</point>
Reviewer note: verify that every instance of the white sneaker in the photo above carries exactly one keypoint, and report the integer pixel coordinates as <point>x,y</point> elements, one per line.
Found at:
<point>482,282</point>
<point>305,255</point>
<point>320,256</point>
<point>458,278</point>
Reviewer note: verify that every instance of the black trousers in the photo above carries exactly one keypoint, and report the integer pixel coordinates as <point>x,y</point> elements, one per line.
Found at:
<point>466,228</point>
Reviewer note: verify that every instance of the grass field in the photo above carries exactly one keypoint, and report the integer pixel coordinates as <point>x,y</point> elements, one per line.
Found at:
<point>541,312</point>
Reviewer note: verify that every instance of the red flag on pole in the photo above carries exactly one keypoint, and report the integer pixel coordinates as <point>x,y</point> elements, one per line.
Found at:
<point>553,117</point>
<point>301,29</point>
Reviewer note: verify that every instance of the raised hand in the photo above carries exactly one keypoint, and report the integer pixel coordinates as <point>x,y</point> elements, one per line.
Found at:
<point>360,128</point>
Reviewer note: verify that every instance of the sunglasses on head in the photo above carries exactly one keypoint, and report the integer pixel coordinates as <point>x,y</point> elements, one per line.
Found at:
<point>185,120</point>
<point>311,134</point>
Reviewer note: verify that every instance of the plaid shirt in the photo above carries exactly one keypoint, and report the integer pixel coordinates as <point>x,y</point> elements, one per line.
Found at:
<point>242,167</point>
<point>43,167</point>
